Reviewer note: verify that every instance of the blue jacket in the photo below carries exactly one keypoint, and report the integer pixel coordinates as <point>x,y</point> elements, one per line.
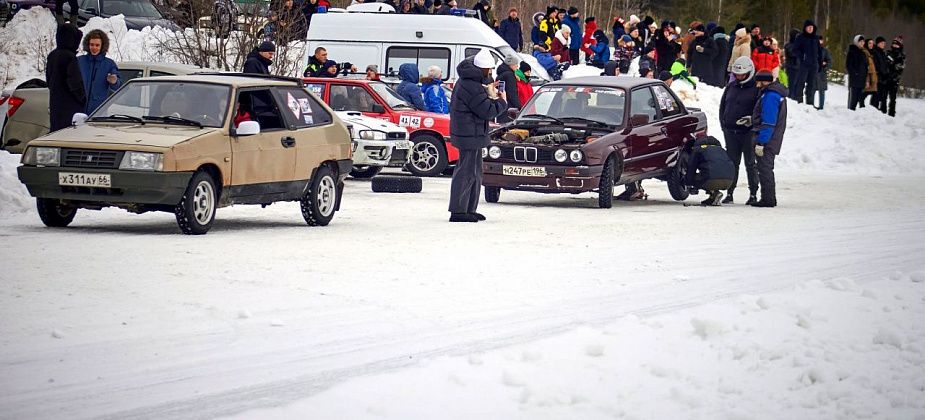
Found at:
<point>545,59</point>
<point>93,71</point>
<point>574,24</point>
<point>408,88</point>
<point>601,50</point>
<point>435,96</point>
<point>770,117</point>
<point>512,33</point>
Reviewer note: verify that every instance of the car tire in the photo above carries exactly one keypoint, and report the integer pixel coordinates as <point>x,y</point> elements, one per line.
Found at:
<point>364,172</point>
<point>605,188</point>
<point>53,213</point>
<point>492,194</point>
<point>676,186</point>
<point>397,184</point>
<point>320,199</point>
<point>196,210</point>
<point>428,156</point>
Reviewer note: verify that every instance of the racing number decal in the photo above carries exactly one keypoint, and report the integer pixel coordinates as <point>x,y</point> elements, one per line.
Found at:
<point>409,121</point>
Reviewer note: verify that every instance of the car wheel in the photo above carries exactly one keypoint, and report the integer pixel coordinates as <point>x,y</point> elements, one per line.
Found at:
<point>428,156</point>
<point>676,186</point>
<point>605,188</point>
<point>53,213</point>
<point>397,184</point>
<point>363,172</point>
<point>196,210</point>
<point>492,194</point>
<point>320,200</point>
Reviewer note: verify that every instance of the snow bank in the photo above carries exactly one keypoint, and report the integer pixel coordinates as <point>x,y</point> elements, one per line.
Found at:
<point>26,42</point>
<point>14,198</point>
<point>831,349</point>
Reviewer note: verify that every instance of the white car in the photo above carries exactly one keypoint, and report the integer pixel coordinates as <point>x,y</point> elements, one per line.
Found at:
<point>377,144</point>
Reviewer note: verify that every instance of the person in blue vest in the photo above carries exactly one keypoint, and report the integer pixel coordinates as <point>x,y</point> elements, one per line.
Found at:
<point>100,74</point>
<point>601,49</point>
<point>573,21</point>
<point>769,121</point>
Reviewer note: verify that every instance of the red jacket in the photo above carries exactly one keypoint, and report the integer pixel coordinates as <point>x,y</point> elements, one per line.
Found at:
<point>524,91</point>
<point>765,60</point>
<point>590,28</point>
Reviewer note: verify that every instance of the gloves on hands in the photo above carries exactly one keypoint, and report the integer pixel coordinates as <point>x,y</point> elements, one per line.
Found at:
<point>759,150</point>
<point>699,48</point>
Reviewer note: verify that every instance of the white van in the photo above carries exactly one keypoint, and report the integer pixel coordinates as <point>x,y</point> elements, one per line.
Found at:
<point>389,40</point>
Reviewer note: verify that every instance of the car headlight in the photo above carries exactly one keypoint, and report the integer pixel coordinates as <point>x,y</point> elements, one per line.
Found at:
<point>142,161</point>
<point>560,155</point>
<point>372,135</point>
<point>576,156</point>
<point>494,152</point>
<point>484,152</point>
<point>42,156</point>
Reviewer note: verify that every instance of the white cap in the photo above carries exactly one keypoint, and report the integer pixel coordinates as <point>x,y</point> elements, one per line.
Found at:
<point>484,60</point>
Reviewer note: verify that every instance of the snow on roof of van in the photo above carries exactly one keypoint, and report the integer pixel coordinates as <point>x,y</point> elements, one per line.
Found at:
<point>390,27</point>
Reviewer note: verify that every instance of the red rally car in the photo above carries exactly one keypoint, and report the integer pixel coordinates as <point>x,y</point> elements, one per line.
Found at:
<point>430,132</point>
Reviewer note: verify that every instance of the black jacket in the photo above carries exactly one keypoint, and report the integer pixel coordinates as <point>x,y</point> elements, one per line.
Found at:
<point>709,161</point>
<point>471,109</point>
<point>313,69</point>
<point>506,75</point>
<point>701,63</point>
<point>256,63</point>
<point>66,95</point>
<point>791,59</point>
<point>720,61</point>
<point>807,48</point>
<point>896,64</point>
<point>881,63</point>
<point>667,52</point>
<point>738,101</point>
<point>856,66</point>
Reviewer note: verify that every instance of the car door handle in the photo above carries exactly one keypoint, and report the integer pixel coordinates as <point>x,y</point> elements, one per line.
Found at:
<point>287,141</point>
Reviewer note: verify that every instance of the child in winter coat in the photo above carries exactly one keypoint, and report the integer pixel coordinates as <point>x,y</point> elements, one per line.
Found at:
<point>590,39</point>
<point>600,49</point>
<point>536,36</point>
<point>524,89</point>
<point>434,96</point>
<point>624,53</point>
<point>549,62</point>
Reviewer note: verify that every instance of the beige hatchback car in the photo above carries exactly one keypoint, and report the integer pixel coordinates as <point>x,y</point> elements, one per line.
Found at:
<point>191,144</point>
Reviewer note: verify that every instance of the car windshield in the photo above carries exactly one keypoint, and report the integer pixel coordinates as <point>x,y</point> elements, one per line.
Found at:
<point>390,96</point>
<point>203,103</point>
<point>604,105</point>
<point>132,8</point>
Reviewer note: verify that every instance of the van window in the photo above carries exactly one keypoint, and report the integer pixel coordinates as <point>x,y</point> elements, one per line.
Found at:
<point>423,57</point>
<point>471,52</point>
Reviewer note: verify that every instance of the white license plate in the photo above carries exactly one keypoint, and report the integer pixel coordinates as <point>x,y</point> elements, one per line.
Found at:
<point>404,144</point>
<point>84,180</point>
<point>535,171</point>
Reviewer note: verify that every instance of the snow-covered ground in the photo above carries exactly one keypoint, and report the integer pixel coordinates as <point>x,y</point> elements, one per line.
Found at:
<point>550,309</point>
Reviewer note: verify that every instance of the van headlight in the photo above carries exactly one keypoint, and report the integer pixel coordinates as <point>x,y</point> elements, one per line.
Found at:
<point>576,156</point>
<point>142,161</point>
<point>494,152</point>
<point>560,155</point>
<point>372,135</point>
<point>42,156</point>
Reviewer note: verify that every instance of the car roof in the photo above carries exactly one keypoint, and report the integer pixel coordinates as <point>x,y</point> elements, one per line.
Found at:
<point>606,81</point>
<point>392,27</point>
<point>166,67</point>
<point>237,80</point>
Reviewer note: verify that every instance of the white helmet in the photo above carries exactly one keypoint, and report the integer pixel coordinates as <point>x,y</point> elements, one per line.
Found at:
<point>744,65</point>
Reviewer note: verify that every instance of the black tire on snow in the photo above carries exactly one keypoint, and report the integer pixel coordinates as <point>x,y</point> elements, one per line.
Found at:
<point>320,200</point>
<point>435,148</point>
<point>200,197</point>
<point>492,194</point>
<point>364,172</point>
<point>397,184</point>
<point>676,186</point>
<point>53,213</point>
<point>605,188</point>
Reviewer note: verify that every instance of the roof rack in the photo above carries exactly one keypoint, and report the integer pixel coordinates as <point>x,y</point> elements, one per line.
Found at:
<point>254,75</point>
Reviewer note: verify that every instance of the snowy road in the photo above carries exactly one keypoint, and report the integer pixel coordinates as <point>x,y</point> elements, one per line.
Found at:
<point>119,316</point>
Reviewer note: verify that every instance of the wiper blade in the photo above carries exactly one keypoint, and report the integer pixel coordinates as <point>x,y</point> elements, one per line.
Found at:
<point>171,119</point>
<point>119,117</point>
<point>586,120</point>
<point>541,116</point>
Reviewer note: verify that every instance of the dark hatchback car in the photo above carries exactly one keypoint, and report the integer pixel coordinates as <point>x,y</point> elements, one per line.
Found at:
<point>9,8</point>
<point>138,13</point>
<point>591,133</point>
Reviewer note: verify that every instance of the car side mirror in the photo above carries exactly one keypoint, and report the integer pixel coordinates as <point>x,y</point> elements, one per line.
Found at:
<point>247,128</point>
<point>378,109</point>
<point>79,119</point>
<point>638,120</point>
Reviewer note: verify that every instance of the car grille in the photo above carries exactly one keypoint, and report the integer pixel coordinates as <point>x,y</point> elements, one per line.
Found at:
<point>396,135</point>
<point>77,158</point>
<point>527,154</point>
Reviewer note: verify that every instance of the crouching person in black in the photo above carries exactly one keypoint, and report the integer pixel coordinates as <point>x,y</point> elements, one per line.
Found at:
<point>710,169</point>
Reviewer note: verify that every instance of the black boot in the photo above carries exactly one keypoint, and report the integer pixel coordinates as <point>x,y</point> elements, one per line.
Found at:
<point>463,217</point>
<point>478,216</point>
<point>713,200</point>
<point>765,203</point>
<point>752,199</point>
<point>728,199</point>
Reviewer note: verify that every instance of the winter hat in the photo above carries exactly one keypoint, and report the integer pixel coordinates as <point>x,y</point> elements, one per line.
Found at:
<point>572,10</point>
<point>648,21</point>
<point>484,60</point>
<point>879,40</point>
<point>666,24</point>
<point>512,60</point>
<point>266,46</point>
<point>719,30</point>
<point>525,66</point>
<point>741,33</point>
<point>898,40</point>
<point>710,27</point>
<point>753,26</point>
<point>858,38</point>
<point>589,19</point>
<point>328,64</point>
<point>664,76</point>
<point>552,9</point>
<point>373,68</point>
<point>700,28</point>
<point>764,76</point>
<point>561,11</point>
<point>599,35</point>
<point>634,19</point>
<point>626,38</point>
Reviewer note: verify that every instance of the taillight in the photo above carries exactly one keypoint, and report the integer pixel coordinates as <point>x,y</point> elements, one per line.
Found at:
<point>15,103</point>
